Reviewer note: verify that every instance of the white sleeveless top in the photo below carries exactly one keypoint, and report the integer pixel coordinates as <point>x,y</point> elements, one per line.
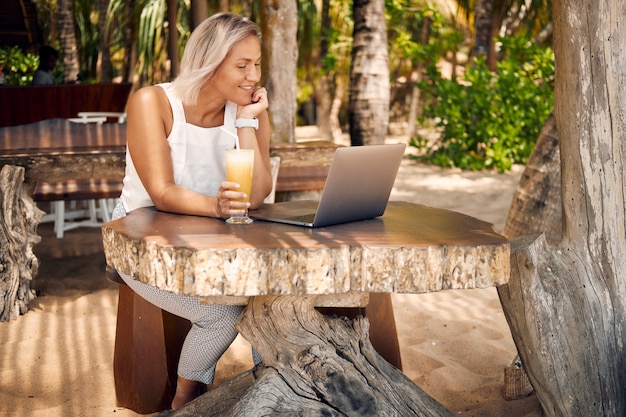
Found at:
<point>197,156</point>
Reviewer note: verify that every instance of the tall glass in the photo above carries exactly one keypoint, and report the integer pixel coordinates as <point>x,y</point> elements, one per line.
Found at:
<point>239,168</point>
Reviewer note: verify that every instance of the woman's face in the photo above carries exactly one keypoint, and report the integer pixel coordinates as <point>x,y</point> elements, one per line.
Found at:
<point>239,73</point>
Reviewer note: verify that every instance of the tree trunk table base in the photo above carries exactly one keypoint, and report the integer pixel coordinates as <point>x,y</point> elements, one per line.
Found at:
<point>148,342</point>
<point>312,365</point>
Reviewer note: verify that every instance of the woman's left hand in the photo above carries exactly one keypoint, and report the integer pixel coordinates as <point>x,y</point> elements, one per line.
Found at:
<point>258,104</point>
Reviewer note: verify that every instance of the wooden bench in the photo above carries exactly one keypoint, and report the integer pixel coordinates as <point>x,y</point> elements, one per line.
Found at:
<point>303,168</point>
<point>58,193</point>
<point>148,342</point>
<point>77,190</point>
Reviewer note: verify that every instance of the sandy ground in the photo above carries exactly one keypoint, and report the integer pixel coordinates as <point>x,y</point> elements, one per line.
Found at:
<point>57,359</point>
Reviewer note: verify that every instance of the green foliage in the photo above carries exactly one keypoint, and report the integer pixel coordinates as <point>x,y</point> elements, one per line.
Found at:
<point>406,23</point>
<point>490,120</point>
<point>18,67</point>
<point>308,31</point>
<point>152,47</point>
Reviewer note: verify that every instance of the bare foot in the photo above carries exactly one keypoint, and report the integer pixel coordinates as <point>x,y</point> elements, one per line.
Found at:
<point>187,390</point>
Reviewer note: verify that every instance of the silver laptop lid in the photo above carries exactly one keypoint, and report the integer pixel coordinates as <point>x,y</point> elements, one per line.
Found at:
<point>359,183</point>
<point>357,187</point>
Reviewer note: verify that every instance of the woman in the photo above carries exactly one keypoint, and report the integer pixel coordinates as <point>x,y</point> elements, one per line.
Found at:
<point>177,135</point>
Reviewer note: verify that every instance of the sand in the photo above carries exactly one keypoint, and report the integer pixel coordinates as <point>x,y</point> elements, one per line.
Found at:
<point>56,360</point>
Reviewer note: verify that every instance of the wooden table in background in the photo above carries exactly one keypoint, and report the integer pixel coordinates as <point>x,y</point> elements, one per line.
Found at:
<point>57,150</point>
<point>312,363</point>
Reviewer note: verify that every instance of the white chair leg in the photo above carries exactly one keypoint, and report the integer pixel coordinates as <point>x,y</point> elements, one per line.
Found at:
<point>59,218</point>
<point>49,216</point>
<point>93,212</point>
<point>105,213</point>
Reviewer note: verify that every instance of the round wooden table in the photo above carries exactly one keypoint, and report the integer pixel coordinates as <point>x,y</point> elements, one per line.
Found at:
<point>311,363</point>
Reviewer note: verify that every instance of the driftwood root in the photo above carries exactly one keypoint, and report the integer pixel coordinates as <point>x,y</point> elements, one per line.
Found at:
<point>18,225</point>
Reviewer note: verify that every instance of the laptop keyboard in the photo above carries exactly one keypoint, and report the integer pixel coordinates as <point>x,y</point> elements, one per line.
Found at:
<point>305,218</point>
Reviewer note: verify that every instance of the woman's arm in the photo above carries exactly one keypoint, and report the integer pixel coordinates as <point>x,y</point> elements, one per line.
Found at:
<point>150,121</point>
<point>259,140</point>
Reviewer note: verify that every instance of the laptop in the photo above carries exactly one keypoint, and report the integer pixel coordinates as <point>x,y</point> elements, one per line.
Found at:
<point>357,187</point>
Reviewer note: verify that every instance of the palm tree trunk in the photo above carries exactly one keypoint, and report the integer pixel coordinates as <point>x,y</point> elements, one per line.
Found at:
<point>279,24</point>
<point>482,16</point>
<point>67,37</point>
<point>199,12</point>
<point>326,111</point>
<point>323,102</point>
<point>335,107</point>
<point>130,47</point>
<point>369,74</point>
<point>103,69</point>
<point>172,38</point>
<point>416,77</point>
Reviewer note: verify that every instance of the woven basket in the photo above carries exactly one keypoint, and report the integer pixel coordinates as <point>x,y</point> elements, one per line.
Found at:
<point>516,382</point>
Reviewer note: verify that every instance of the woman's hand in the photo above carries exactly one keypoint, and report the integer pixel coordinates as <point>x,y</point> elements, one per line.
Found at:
<point>259,140</point>
<point>226,205</point>
<point>257,104</point>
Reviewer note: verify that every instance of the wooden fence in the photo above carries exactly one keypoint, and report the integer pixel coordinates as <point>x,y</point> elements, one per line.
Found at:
<point>22,105</point>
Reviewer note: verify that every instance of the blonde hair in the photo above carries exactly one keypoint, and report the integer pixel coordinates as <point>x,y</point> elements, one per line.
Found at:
<point>208,46</point>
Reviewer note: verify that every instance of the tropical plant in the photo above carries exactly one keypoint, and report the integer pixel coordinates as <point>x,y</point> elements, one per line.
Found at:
<point>325,41</point>
<point>17,67</point>
<point>151,41</point>
<point>419,35</point>
<point>493,18</point>
<point>490,120</point>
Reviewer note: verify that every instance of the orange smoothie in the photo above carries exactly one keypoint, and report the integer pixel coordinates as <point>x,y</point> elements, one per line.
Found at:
<point>239,168</point>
